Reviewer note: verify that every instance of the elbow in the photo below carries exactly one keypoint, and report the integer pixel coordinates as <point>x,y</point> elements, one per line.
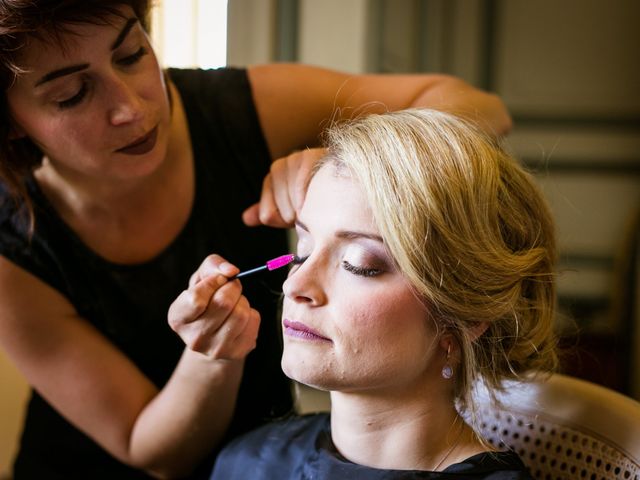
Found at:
<point>163,470</point>
<point>160,463</point>
<point>168,474</point>
<point>501,122</point>
<point>164,466</point>
<point>504,123</point>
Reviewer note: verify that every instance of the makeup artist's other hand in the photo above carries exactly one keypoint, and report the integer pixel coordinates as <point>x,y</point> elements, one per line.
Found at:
<point>283,190</point>
<point>212,316</point>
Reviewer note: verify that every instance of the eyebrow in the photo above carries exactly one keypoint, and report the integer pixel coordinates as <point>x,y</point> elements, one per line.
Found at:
<point>124,32</point>
<point>61,72</point>
<point>347,234</point>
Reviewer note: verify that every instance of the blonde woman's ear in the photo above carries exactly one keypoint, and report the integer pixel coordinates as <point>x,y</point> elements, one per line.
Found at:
<point>478,329</point>
<point>449,346</point>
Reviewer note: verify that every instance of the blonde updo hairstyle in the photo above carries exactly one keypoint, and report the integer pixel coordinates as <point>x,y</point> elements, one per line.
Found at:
<point>470,230</point>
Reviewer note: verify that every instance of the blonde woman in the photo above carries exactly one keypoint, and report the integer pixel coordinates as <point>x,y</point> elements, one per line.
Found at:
<point>429,256</point>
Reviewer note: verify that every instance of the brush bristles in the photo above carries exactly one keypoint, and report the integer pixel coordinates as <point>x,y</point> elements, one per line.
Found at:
<point>281,261</point>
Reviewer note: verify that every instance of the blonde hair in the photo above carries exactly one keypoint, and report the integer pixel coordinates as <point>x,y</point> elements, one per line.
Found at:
<point>470,230</point>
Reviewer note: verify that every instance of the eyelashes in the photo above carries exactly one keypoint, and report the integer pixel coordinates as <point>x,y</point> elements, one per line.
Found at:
<point>361,271</point>
<point>299,260</point>
<point>131,59</point>
<point>353,269</point>
<point>74,100</point>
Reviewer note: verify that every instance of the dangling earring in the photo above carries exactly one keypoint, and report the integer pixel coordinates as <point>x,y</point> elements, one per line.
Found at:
<point>447,370</point>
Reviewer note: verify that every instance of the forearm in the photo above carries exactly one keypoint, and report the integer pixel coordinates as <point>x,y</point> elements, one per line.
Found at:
<point>296,102</point>
<point>455,96</point>
<point>188,417</point>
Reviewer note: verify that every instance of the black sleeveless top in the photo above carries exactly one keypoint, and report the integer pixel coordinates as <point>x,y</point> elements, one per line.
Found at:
<point>300,448</point>
<point>129,303</point>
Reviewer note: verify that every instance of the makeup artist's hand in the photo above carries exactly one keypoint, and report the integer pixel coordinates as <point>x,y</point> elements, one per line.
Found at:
<point>283,190</point>
<point>212,316</point>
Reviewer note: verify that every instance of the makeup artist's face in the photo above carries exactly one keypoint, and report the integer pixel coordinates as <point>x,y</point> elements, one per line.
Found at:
<point>351,321</point>
<point>98,105</point>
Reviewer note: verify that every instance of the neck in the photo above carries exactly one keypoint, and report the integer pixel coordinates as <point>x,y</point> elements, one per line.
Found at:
<point>423,434</point>
<point>78,195</point>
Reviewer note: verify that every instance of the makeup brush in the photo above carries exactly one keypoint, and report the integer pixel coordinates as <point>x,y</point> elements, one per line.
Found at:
<point>272,264</point>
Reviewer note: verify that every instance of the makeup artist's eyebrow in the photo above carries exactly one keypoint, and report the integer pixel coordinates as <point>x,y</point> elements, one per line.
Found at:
<point>61,72</point>
<point>124,32</point>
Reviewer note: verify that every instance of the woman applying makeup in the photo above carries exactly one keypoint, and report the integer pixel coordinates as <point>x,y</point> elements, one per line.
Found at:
<point>428,266</point>
<point>118,179</point>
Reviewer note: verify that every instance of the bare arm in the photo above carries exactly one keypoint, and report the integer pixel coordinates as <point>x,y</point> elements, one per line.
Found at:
<point>103,393</point>
<point>296,102</point>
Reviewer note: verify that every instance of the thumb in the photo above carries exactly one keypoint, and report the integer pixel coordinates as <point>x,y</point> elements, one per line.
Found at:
<point>251,217</point>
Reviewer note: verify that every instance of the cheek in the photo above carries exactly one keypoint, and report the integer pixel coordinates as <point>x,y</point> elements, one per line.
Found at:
<point>386,341</point>
<point>152,88</point>
<point>50,135</point>
<point>67,135</point>
<point>386,321</point>
<point>151,82</point>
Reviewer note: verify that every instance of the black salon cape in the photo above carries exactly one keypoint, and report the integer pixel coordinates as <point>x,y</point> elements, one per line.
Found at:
<point>300,448</point>
<point>128,304</point>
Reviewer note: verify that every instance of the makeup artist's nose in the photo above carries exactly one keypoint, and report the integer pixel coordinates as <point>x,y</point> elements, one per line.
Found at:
<point>125,105</point>
<point>305,283</point>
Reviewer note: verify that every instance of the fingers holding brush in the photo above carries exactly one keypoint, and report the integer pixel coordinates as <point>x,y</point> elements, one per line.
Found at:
<point>212,316</point>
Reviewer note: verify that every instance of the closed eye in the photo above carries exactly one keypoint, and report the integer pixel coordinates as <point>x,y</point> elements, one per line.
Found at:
<point>361,271</point>
<point>132,59</point>
<point>75,99</point>
<point>298,260</point>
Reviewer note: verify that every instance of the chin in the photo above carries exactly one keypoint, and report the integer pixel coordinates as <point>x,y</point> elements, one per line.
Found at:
<point>144,165</point>
<point>317,374</point>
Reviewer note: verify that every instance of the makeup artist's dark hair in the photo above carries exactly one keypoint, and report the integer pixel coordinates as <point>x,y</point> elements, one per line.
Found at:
<point>21,21</point>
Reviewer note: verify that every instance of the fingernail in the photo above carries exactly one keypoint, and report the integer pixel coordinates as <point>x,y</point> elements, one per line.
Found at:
<point>221,280</point>
<point>226,267</point>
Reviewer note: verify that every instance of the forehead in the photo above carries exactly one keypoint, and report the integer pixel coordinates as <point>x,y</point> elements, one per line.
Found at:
<point>334,198</point>
<point>69,40</point>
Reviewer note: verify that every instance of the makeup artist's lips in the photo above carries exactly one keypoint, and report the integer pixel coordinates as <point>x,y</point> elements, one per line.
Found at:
<point>141,145</point>
<point>300,330</point>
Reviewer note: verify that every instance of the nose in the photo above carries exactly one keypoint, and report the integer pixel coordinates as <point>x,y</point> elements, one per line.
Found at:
<point>125,105</point>
<point>305,283</point>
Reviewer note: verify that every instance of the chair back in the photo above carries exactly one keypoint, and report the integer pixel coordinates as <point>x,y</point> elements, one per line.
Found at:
<point>565,428</point>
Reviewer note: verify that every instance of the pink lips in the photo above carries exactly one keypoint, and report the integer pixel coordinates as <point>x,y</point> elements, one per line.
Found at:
<point>141,145</point>
<point>300,330</point>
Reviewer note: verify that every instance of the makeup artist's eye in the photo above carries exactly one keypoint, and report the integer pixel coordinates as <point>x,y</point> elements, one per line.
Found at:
<point>361,271</point>
<point>74,99</point>
<point>131,59</point>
